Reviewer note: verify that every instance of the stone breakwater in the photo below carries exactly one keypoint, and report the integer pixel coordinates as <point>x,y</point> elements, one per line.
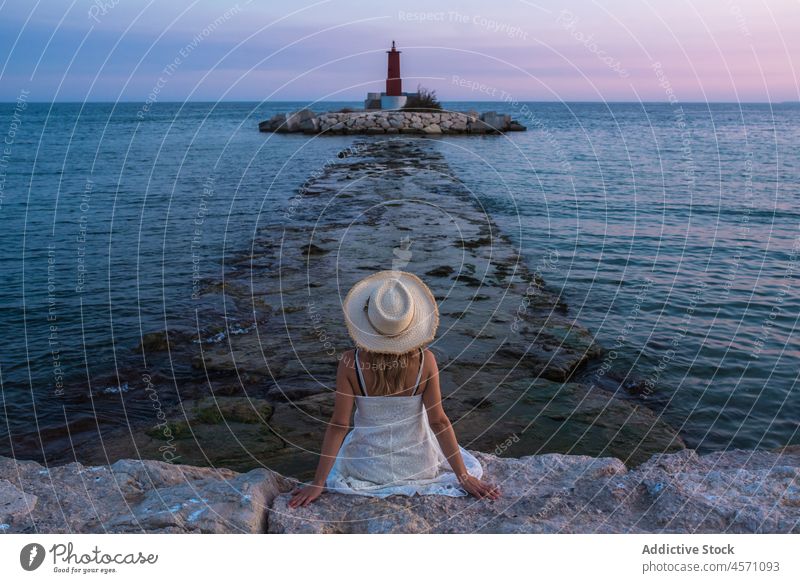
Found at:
<point>736,491</point>
<point>260,387</point>
<point>246,380</point>
<point>391,122</point>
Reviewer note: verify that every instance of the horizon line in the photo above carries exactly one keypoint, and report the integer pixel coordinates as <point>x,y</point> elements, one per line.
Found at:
<point>68,101</point>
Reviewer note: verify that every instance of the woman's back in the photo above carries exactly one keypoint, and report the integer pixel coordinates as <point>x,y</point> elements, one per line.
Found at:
<point>391,446</point>
<point>409,381</point>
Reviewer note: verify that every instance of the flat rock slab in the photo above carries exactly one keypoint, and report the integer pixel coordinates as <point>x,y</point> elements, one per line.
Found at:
<point>134,496</point>
<point>733,492</point>
<point>738,491</point>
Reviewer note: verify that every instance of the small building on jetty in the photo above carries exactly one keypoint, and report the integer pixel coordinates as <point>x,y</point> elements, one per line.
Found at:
<point>388,113</point>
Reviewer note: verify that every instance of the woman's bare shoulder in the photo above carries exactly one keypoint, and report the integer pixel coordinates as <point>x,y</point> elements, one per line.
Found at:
<point>430,366</point>
<point>430,357</point>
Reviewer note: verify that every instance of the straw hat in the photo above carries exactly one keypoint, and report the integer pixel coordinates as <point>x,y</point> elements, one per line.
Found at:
<point>391,312</point>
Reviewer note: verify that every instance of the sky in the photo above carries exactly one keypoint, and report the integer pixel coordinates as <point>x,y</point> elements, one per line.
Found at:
<point>209,50</point>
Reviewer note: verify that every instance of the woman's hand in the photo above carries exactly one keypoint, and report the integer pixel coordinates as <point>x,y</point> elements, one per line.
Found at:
<point>479,488</point>
<point>305,496</point>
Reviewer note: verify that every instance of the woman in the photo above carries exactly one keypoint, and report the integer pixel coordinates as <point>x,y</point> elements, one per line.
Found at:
<point>402,441</point>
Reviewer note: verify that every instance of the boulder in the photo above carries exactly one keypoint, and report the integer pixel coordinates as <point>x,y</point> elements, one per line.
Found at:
<point>309,125</point>
<point>275,124</point>
<point>304,115</point>
<point>294,121</point>
<point>135,496</point>
<point>478,127</point>
<point>14,504</point>
<point>496,121</point>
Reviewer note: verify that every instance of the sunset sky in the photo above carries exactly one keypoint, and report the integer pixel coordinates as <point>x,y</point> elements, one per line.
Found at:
<point>111,50</point>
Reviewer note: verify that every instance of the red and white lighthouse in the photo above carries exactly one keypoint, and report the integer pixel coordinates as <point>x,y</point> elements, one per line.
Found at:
<point>393,97</point>
<point>394,84</point>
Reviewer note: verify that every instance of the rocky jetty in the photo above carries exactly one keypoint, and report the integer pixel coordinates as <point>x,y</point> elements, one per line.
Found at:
<point>735,491</point>
<point>509,350</point>
<point>391,122</point>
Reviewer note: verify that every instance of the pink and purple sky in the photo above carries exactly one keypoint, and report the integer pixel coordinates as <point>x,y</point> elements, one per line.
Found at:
<point>109,50</point>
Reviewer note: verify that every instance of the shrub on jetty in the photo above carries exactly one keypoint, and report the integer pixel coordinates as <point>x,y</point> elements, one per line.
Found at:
<point>424,100</point>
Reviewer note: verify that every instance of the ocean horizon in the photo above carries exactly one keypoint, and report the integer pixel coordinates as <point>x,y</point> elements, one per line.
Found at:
<point>444,102</point>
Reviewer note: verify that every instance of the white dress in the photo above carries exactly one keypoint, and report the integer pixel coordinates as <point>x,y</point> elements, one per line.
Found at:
<point>393,450</point>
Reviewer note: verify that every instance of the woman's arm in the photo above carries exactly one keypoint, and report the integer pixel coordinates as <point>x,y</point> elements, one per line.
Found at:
<point>440,423</point>
<point>337,429</point>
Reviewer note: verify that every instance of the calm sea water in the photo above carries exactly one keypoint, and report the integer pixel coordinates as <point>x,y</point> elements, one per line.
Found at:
<point>673,232</point>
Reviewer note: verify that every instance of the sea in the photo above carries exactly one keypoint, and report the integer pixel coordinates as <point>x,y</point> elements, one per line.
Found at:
<point>671,230</point>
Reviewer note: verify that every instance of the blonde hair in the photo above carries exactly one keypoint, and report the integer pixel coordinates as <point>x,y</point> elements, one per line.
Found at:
<point>389,370</point>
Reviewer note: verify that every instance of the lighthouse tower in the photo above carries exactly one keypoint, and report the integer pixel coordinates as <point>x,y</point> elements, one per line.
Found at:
<point>393,97</point>
<point>394,84</point>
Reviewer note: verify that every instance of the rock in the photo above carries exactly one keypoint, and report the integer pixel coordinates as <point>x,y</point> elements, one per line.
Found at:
<point>735,491</point>
<point>208,431</point>
<point>163,339</point>
<point>432,129</point>
<point>14,503</point>
<point>138,496</point>
<point>442,271</point>
<point>277,123</point>
<point>311,250</point>
<point>495,121</point>
<point>294,122</point>
<point>478,127</point>
<point>309,125</point>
